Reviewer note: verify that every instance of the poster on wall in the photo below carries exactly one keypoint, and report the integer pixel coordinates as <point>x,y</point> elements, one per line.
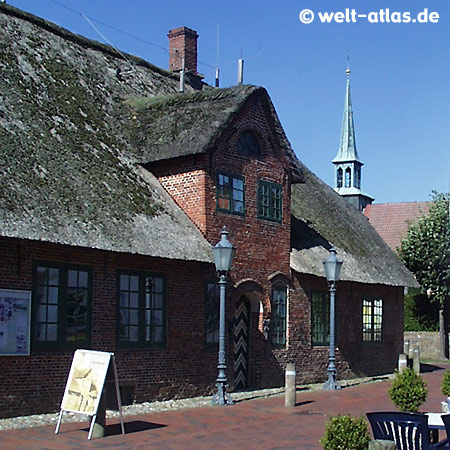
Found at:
<point>15,309</point>
<point>85,383</point>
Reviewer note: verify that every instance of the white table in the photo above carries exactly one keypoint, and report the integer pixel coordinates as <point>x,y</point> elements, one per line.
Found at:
<point>435,421</point>
<point>435,424</point>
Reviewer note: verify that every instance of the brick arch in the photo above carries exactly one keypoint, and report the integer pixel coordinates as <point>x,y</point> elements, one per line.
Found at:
<point>252,290</point>
<point>280,278</point>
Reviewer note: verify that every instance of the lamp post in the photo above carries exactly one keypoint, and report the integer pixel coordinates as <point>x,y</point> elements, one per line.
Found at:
<point>223,254</point>
<point>332,267</point>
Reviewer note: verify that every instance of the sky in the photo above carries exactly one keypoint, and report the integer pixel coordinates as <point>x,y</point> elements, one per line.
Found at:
<point>400,72</point>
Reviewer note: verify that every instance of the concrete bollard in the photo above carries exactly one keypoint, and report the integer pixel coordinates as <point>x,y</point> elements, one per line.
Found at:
<point>290,386</point>
<point>380,444</point>
<point>402,361</point>
<point>406,348</point>
<point>416,358</point>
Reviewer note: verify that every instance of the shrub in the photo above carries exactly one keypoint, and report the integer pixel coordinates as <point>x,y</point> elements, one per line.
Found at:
<point>445,385</point>
<point>346,433</point>
<point>408,390</point>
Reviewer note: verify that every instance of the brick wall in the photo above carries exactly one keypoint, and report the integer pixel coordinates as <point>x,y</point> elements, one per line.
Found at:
<point>35,383</point>
<point>354,357</point>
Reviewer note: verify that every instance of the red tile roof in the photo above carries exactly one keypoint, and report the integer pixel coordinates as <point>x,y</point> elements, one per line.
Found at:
<point>391,219</point>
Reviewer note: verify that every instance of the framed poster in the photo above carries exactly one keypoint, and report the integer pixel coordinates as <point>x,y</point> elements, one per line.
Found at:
<point>85,383</point>
<point>15,313</point>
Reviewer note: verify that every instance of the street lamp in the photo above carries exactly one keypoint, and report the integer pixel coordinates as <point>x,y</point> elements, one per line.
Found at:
<point>223,254</point>
<point>332,267</point>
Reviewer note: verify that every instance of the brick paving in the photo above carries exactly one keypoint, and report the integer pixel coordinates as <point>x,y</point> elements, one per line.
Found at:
<point>263,423</point>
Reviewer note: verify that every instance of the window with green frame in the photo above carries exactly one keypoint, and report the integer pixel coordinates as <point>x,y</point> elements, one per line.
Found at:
<point>320,318</point>
<point>212,313</point>
<point>62,302</point>
<point>270,201</point>
<point>142,308</point>
<point>372,315</point>
<point>278,319</point>
<point>230,193</point>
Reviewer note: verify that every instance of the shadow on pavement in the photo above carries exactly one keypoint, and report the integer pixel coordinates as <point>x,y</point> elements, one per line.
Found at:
<point>130,427</point>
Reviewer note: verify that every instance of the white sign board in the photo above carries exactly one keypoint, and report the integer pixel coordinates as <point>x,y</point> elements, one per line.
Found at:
<point>15,322</point>
<point>85,383</point>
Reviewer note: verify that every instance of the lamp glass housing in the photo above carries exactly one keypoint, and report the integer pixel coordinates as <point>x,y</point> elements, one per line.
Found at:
<point>223,253</point>
<point>332,267</point>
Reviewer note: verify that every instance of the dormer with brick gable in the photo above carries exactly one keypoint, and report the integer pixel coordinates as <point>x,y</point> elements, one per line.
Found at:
<point>222,156</point>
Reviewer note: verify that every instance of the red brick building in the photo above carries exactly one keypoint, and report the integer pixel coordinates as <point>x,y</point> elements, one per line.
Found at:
<point>115,186</point>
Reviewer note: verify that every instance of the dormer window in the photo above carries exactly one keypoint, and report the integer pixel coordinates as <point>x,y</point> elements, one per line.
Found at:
<point>248,144</point>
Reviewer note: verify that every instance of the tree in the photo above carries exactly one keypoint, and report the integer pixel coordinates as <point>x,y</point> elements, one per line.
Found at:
<point>426,253</point>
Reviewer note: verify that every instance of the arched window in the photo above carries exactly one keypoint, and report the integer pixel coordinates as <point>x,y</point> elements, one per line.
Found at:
<point>358,177</point>
<point>348,177</point>
<point>248,144</point>
<point>339,178</point>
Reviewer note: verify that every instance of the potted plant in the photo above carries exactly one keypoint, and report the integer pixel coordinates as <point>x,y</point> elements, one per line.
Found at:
<point>408,390</point>
<point>346,432</point>
<point>445,387</point>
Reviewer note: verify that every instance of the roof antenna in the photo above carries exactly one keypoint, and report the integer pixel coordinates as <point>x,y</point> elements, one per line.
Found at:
<point>241,70</point>
<point>182,74</point>
<point>217,58</point>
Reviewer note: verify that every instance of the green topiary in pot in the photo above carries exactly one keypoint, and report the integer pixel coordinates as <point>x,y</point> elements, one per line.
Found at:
<point>408,390</point>
<point>346,433</point>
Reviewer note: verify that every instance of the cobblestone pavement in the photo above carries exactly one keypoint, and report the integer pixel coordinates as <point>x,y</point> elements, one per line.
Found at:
<point>169,405</point>
<point>258,420</point>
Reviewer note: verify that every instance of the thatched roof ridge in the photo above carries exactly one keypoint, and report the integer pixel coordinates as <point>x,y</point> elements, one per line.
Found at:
<point>80,40</point>
<point>321,218</point>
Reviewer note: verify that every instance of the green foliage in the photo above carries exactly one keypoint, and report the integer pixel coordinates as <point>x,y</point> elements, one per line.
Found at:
<point>426,251</point>
<point>419,314</point>
<point>408,390</point>
<point>346,433</point>
<point>445,385</point>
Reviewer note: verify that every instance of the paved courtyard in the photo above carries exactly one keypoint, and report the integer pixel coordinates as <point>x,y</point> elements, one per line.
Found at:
<point>260,423</point>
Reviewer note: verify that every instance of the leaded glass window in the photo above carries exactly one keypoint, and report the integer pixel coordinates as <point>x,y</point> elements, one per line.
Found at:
<point>372,319</point>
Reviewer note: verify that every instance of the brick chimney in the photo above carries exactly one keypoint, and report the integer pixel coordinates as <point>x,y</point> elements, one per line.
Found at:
<point>183,44</point>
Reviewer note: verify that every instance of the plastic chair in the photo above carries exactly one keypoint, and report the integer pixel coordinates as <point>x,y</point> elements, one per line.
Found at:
<point>446,419</point>
<point>409,431</point>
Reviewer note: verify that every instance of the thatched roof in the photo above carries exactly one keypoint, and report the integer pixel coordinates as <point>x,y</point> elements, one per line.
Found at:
<point>321,218</point>
<point>171,126</point>
<point>68,175</point>
<point>74,136</point>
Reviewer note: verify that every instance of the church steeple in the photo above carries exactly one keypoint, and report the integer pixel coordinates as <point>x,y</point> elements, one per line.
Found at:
<point>347,181</point>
